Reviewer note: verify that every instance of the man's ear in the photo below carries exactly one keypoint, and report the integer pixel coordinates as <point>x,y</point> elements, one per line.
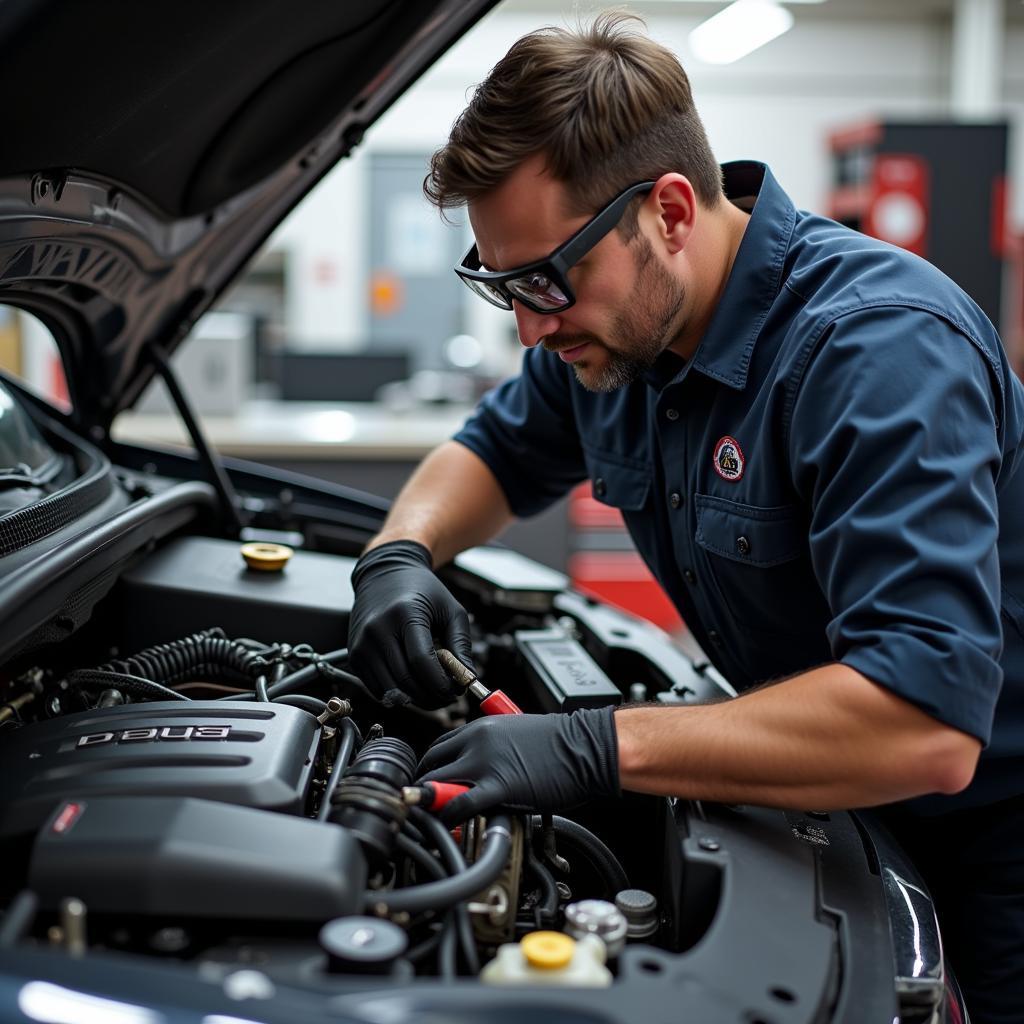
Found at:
<point>673,204</point>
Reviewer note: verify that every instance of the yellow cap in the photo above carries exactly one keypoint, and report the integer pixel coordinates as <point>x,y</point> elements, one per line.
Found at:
<point>266,557</point>
<point>547,950</point>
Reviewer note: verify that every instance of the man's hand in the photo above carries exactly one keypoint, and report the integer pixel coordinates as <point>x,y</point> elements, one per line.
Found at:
<point>538,762</point>
<point>400,607</point>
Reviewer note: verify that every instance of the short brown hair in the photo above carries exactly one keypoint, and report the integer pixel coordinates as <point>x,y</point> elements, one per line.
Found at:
<point>606,105</point>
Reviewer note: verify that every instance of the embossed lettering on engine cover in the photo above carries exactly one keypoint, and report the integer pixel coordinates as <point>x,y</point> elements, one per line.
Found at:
<point>167,732</point>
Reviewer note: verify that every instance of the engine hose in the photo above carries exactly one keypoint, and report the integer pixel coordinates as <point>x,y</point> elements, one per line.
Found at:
<point>350,739</point>
<point>261,689</point>
<point>447,953</point>
<point>314,705</point>
<point>94,679</point>
<point>602,858</point>
<point>368,799</point>
<point>420,857</point>
<point>452,857</point>
<point>208,653</point>
<point>322,666</point>
<point>548,905</point>
<point>449,891</point>
<point>428,945</point>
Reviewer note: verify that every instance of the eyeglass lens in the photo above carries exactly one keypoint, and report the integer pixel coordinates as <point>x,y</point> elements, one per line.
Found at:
<point>538,289</point>
<point>489,292</point>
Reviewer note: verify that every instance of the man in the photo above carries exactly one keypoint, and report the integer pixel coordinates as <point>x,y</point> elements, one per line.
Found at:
<point>815,442</point>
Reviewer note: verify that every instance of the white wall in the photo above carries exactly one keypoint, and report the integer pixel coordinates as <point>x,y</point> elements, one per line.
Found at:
<point>776,105</point>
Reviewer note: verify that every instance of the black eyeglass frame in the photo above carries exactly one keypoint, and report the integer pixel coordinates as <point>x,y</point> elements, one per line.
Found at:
<point>556,264</point>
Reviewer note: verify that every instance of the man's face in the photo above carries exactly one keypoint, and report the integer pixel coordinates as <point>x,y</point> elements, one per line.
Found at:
<point>628,306</point>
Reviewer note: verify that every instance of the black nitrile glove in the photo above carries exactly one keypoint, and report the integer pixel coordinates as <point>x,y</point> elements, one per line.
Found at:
<point>534,762</point>
<point>400,608</point>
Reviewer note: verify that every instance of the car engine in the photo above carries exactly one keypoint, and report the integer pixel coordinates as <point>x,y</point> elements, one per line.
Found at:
<point>194,780</point>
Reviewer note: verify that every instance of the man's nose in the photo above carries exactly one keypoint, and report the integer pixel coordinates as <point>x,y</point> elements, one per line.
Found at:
<point>533,327</point>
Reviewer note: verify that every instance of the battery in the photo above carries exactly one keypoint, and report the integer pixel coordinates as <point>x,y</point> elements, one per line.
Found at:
<point>563,676</point>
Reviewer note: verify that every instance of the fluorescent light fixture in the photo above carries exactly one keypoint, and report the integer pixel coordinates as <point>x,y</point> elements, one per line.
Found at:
<point>738,30</point>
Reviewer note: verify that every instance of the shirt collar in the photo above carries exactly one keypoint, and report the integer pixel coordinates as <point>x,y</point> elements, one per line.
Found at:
<point>754,281</point>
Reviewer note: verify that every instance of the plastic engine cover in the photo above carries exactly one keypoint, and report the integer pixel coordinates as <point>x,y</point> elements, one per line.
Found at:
<point>234,752</point>
<point>196,859</point>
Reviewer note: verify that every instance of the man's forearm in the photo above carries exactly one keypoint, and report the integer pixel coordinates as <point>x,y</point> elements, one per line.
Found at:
<point>828,738</point>
<point>451,502</point>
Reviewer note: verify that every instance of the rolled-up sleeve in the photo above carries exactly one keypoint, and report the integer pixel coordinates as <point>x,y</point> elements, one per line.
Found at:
<point>525,431</point>
<point>894,443</point>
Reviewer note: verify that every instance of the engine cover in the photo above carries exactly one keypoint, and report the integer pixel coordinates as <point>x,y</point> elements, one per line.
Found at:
<point>234,752</point>
<point>168,856</point>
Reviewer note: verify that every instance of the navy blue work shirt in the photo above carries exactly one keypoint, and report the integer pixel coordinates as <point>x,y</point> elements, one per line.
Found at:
<point>835,475</point>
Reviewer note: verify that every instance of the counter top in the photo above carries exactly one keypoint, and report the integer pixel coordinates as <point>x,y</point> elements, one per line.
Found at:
<point>306,430</point>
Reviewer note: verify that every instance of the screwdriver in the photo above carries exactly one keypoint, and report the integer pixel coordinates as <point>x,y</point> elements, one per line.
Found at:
<point>492,702</point>
<point>432,796</point>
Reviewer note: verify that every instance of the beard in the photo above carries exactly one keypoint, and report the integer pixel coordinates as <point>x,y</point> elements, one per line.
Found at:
<point>639,335</point>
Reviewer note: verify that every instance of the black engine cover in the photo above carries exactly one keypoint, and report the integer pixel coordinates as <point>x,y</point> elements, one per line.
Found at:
<point>235,752</point>
<point>196,859</point>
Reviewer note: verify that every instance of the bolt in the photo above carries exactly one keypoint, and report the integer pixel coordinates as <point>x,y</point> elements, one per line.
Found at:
<point>709,844</point>
<point>564,892</point>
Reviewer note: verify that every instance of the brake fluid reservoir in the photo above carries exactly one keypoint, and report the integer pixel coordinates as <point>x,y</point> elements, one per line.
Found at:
<point>550,958</point>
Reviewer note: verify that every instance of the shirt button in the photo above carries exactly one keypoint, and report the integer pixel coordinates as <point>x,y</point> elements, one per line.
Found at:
<point>675,499</point>
<point>690,576</point>
<point>714,638</point>
<point>743,545</point>
<point>600,487</point>
<point>672,414</point>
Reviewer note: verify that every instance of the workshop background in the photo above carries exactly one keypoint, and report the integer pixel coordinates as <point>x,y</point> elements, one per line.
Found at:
<point>350,349</point>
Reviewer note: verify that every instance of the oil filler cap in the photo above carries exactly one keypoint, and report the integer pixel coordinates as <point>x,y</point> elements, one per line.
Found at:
<point>266,557</point>
<point>547,951</point>
<point>362,945</point>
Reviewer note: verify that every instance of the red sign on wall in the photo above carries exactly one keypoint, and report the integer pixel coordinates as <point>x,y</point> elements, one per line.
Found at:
<point>898,210</point>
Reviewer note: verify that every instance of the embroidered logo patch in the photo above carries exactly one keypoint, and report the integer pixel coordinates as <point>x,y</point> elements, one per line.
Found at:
<point>729,461</point>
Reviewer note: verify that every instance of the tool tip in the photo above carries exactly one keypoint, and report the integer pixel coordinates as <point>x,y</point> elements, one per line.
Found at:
<point>458,672</point>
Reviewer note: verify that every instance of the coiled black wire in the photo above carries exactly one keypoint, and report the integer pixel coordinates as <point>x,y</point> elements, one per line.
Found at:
<point>209,654</point>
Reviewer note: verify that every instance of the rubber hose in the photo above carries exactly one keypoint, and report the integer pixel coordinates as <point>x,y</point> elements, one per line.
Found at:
<point>603,859</point>
<point>443,894</point>
<point>91,678</point>
<point>420,857</point>
<point>305,675</point>
<point>314,705</point>
<point>350,738</point>
<point>447,954</point>
<point>548,890</point>
<point>456,864</point>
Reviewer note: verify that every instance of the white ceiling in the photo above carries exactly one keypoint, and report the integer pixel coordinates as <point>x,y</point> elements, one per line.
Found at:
<point>845,10</point>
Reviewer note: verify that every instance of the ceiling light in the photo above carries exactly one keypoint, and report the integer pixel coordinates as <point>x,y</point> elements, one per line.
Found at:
<point>738,30</point>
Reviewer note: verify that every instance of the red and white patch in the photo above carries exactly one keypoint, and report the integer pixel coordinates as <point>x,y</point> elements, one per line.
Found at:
<point>728,459</point>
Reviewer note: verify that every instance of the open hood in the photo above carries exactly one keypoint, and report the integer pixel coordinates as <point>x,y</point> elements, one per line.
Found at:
<point>149,149</point>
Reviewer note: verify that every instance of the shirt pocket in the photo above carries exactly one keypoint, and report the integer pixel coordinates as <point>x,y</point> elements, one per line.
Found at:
<point>615,482</point>
<point>759,563</point>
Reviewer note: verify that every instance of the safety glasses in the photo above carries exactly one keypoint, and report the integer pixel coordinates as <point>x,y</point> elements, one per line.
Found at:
<point>543,285</point>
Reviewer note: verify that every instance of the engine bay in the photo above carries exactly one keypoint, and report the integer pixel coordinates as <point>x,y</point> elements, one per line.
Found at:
<point>226,796</point>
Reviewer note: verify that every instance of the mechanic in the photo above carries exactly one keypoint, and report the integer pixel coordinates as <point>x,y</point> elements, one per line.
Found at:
<point>814,439</point>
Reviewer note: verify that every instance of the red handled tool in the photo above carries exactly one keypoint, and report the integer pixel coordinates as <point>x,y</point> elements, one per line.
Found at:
<point>432,796</point>
<point>492,702</point>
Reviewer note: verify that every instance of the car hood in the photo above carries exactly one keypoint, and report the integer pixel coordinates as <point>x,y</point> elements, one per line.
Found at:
<point>149,149</point>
